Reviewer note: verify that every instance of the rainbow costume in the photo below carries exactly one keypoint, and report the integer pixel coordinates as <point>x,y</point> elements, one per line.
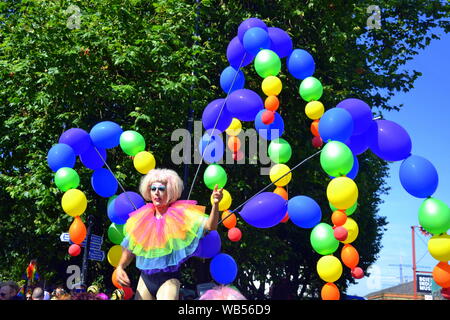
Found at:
<point>163,244</point>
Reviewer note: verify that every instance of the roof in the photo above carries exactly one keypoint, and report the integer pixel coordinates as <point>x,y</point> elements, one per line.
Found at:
<point>406,288</point>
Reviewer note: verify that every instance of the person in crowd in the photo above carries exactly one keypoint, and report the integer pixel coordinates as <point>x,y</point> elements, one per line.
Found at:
<point>38,294</point>
<point>9,291</point>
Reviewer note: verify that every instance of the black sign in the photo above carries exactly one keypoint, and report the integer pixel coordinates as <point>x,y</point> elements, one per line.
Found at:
<point>424,283</point>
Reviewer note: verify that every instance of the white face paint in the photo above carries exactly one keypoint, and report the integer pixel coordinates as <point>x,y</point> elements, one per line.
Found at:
<point>158,193</point>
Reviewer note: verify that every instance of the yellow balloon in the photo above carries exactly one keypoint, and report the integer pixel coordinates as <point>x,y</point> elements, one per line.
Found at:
<point>314,110</point>
<point>144,162</point>
<point>74,202</point>
<point>225,203</point>
<point>353,230</point>
<point>271,86</point>
<point>342,192</point>
<point>329,268</point>
<point>439,247</point>
<point>114,255</point>
<point>234,128</point>
<point>278,171</point>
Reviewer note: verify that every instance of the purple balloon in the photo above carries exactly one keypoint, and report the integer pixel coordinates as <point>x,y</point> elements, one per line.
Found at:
<point>388,140</point>
<point>357,143</point>
<point>211,113</point>
<point>236,54</point>
<point>265,210</point>
<point>126,203</point>
<point>77,138</point>
<point>91,158</point>
<point>360,112</point>
<point>248,24</point>
<point>281,42</point>
<point>244,104</point>
<point>209,246</point>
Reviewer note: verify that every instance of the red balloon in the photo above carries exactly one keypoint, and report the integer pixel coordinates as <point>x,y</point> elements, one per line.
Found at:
<point>74,250</point>
<point>286,218</point>
<point>340,233</point>
<point>317,142</point>
<point>268,117</point>
<point>237,156</point>
<point>234,234</point>
<point>128,293</point>
<point>445,292</point>
<point>357,273</point>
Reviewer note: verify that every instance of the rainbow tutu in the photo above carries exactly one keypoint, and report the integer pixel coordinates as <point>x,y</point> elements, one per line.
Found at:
<point>164,243</point>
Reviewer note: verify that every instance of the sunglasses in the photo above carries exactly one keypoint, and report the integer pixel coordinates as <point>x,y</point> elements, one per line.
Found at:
<point>2,294</point>
<point>160,188</point>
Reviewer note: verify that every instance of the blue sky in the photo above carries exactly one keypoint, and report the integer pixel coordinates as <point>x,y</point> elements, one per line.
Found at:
<point>426,117</point>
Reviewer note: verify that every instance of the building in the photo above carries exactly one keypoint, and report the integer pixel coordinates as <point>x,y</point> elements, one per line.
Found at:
<point>403,291</point>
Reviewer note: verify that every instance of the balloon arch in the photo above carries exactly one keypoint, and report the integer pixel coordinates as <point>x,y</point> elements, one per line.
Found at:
<point>347,130</point>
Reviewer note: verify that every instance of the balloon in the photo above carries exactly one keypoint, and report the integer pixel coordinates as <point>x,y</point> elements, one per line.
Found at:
<point>77,231</point>
<point>76,138</point>
<point>280,151</point>
<point>238,156</point>
<point>211,147</point>
<point>59,156</point>
<point>271,131</point>
<point>268,117</point>
<point>74,250</point>
<point>215,174</point>
<point>388,140</point>
<point>106,134</point>
<point>317,142</point>
<point>209,246</point>
<point>330,292</point>
<point>286,218</point>
<point>301,64</point>
<point>144,161</point>
<point>357,273</point>
<point>115,233</point>
<point>279,175</point>
<point>234,144</point>
<point>256,39</point>
<point>271,103</point>
<point>441,274</point>
<point>223,268</point>
<point>304,211</point>
<point>132,142</point>
<point>92,158</point>
<point>248,24</point>
<point>314,110</point>
<point>329,268</point>
<point>322,239</point>
<point>267,63</point>
<point>66,178</point>
<point>310,89</point>
<point>124,204</point>
<point>271,86</point>
<point>114,280</point>
<point>110,209</point>
<point>102,296</point>
<point>225,203</point>
<point>439,247</point>
<point>350,256</point>
<point>128,293</point>
<point>360,113</point>
<point>353,230</point>
<point>231,79</point>
<point>211,113</point>
<point>336,159</point>
<point>315,128</point>
<point>281,42</point>
<point>342,192</point>
<point>229,219</point>
<point>338,218</point>
<point>281,192</point>
<point>340,233</point>
<point>234,128</point>
<point>265,210</point>
<point>236,54</point>
<point>418,177</point>
<point>234,234</point>
<point>104,183</point>
<point>357,143</point>
<point>434,216</point>
<point>74,202</point>
<point>244,104</point>
<point>348,211</point>
<point>336,124</point>
<point>354,172</point>
<point>114,254</point>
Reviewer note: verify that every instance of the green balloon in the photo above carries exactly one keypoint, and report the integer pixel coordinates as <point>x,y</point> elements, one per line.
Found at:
<point>115,233</point>
<point>323,240</point>
<point>348,211</point>
<point>280,151</point>
<point>434,216</point>
<point>111,199</point>
<point>67,178</point>
<point>215,174</point>
<point>267,63</point>
<point>336,159</point>
<point>310,89</point>
<point>132,142</point>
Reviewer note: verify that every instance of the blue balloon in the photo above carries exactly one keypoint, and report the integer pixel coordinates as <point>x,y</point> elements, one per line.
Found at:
<point>281,42</point>
<point>256,39</point>
<point>301,64</point>
<point>211,114</point>
<point>209,246</point>
<point>357,143</point>
<point>61,155</point>
<point>106,134</point>
<point>304,211</point>
<point>336,124</point>
<point>211,146</point>
<point>265,210</point>
<point>77,138</point>
<point>91,158</point>
<point>104,183</point>
<point>355,169</point>
<point>223,268</point>
<point>124,204</point>
<point>418,177</point>
<point>269,131</point>
<point>248,24</point>
<point>110,209</point>
<point>360,112</point>
<point>244,104</point>
<point>231,79</point>
<point>236,54</point>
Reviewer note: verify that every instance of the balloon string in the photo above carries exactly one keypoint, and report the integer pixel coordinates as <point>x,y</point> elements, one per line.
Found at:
<point>295,167</point>
<point>215,124</point>
<point>126,194</point>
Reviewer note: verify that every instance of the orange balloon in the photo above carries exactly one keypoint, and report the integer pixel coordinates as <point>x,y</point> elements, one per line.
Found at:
<point>271,103</point>
<point>77,231</point>
<point>229,222</point>
<point>441,274</point>
<point>234,144</point>
<point>349,256</point>
<point>338,218</point>
<point>114,280</point>
<point>315,128</point>
<point>281,192</point>
<point>330,292</point>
